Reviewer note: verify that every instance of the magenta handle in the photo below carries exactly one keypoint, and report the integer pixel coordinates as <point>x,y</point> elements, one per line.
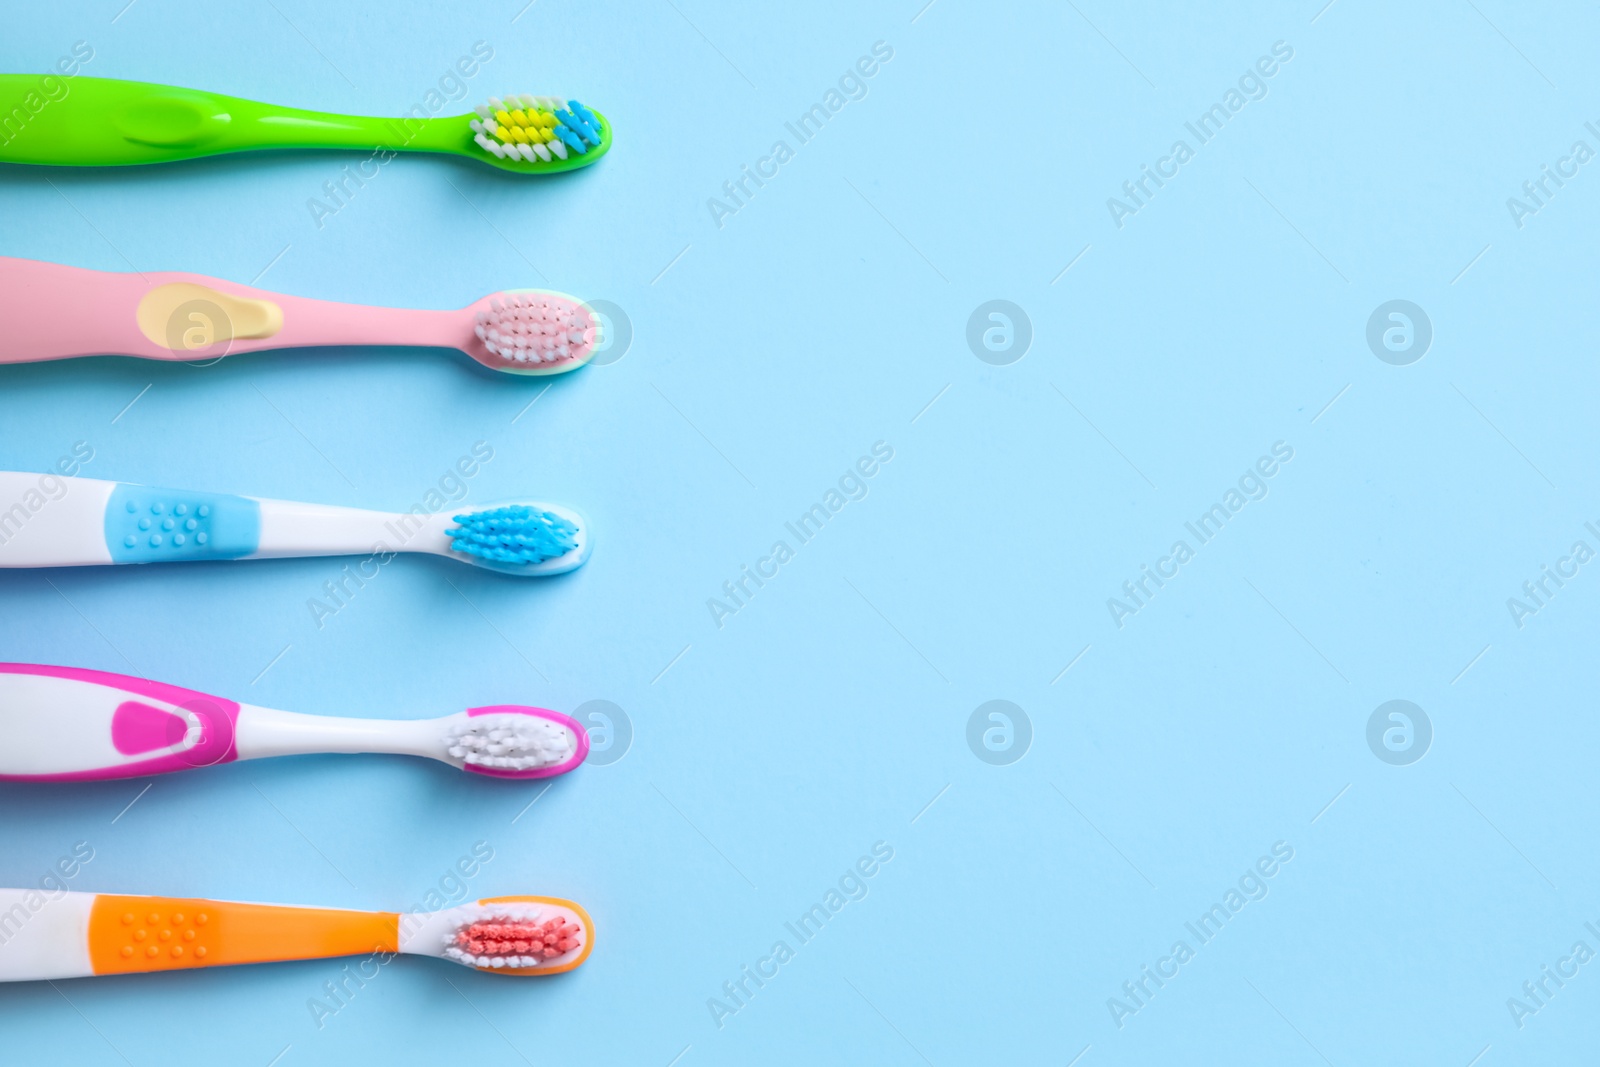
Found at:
<point>52,311</point>
<point>67,724</point>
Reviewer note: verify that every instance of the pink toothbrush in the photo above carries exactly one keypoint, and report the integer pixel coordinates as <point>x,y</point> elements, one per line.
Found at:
<point>64,724</point>
<point>50,311</point>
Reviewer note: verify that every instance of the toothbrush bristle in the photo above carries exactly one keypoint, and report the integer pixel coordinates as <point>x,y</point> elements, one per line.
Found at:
<point>510,743</point>
<point>536,331</point>
<point>516,939</point>
<point>530,130</point>
<point>514,535</point>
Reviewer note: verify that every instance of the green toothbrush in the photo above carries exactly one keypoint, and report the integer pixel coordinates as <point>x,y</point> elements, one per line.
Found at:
<point>99,122</point>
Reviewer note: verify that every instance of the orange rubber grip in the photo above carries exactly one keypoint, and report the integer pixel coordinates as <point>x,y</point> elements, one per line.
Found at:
<point>132,934</point>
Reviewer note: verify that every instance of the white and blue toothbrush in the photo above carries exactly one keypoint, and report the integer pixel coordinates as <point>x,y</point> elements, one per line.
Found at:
<point>51,521</point>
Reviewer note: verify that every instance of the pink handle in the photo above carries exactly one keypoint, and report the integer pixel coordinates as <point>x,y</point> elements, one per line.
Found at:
<point>66,724</point>
<point>51,311</point>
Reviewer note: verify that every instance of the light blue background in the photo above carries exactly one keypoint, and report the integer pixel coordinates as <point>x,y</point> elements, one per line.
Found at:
<point>825,716</point>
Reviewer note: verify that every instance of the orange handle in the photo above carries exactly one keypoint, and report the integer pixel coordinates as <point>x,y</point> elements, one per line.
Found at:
<point>135,934</point>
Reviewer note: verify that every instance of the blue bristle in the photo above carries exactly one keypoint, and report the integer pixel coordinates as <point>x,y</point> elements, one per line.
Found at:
<point>590,127</point>
<point>565,132</point>
<point>583,113</point>
<point>515,534</point>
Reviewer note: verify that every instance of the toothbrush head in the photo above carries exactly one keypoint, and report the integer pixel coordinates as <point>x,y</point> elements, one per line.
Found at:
<point>513,741</point>
<point>525,538</point>
<point>539,134</point>
<point>521,936</point>
<point>532,331</point>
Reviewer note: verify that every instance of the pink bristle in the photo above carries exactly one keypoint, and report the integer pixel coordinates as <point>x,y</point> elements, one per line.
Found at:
<point>510,938</point>
<point>538,328</point>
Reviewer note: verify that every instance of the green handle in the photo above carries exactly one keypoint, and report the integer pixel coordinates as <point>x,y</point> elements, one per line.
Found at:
<point>108,122</point>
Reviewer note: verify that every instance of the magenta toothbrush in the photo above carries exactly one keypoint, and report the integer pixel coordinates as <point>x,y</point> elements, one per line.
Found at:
<point>65,724</point>
<point>50,311</point>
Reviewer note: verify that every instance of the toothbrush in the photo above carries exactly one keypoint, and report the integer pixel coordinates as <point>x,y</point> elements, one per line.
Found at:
<point>97,122</point>
<point>77,935</point>
<point>52,311</point>
<point>67,724</point>
<point>50,521</point>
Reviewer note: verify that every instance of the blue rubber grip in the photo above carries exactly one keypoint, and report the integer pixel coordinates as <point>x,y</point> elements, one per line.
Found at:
<point>145,525</point>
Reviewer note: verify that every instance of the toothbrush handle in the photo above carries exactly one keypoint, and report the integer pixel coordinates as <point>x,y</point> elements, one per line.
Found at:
<point>66,724</point>
<point>52,311</point>
<point>290,528</point>
<point>80,934</point>
<point>108,122</point>
<point>48,521</point>
<point>267,732</point>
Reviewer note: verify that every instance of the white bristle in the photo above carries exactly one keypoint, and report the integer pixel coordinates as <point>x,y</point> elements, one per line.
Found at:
<point>509,741</point>
<point>502,143</point>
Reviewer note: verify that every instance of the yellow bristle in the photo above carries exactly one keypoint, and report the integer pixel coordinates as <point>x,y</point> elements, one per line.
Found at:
<point>519,117</point>
<point>520,134</point>
<point>502,118</point>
